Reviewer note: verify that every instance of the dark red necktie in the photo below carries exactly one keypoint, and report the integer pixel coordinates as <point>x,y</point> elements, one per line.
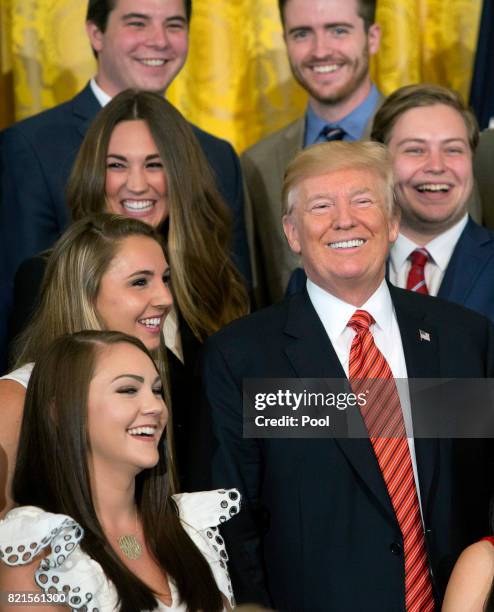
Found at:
<point>416,278</point>
<point>383,418</point>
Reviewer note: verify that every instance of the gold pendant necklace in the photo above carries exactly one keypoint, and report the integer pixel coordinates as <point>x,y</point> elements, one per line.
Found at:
<point>130,547</point>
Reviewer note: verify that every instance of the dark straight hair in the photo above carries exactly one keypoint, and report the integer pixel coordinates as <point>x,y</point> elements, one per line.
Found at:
<point>208,289</point>
<point>54,426</point>
<point>98,11</point>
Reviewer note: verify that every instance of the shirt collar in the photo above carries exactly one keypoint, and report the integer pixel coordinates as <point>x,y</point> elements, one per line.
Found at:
<point>102,97</point>
<point>354,123</point>
<point>440,248</point>
<point>335,313</point>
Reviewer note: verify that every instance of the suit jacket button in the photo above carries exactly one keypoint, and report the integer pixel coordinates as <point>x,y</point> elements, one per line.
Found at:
<point>395,548</point>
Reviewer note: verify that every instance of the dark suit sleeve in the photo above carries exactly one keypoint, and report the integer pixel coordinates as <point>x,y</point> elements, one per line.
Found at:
<point>28,223</point>
<point>241,255</point>
<point>236,463</point>
<point>27,291</point>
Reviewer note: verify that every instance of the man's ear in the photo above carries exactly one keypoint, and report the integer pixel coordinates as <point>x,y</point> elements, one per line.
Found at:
<point>394,225</point>
<point>374,38</point>
<point>291,233</point>
<point>95,36</point>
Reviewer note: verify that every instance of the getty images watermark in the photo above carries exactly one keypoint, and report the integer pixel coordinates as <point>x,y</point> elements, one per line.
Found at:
<point>321,408</point>
<point>304,400</point>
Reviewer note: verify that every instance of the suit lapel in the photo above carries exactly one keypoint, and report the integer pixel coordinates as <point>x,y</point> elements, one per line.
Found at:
<point>85,106</point>
<point>307,342</point>
<point>466,264</point>
<point>293,142</point>
<point>420,341</point>
<point>312,356</point>
<point>418,336</point>
<point>190,344</point>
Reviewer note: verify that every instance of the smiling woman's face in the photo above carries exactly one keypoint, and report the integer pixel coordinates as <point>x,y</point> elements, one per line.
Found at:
<point>126,413</point>
<point>135,183</point>
<point>134,296</point>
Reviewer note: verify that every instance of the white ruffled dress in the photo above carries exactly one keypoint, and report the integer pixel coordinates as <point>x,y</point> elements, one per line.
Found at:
<point>27,530</point>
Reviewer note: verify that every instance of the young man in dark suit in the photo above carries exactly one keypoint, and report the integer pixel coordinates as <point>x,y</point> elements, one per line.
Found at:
<point>322,528</point>
<point>432,138</point>
<point>138,44</point>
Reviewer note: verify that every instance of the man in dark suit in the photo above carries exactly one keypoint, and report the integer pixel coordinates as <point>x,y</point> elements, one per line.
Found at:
<point>432,137</point>
<point>328,45</point>
<point>321,529</point>
<point>138,43</point>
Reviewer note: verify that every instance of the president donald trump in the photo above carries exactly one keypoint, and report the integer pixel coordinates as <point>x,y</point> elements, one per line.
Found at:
<point>341,524</point>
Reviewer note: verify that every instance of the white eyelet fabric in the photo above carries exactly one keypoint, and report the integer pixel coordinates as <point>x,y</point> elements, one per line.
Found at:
<point>21,375</point>
<point>27,531</point>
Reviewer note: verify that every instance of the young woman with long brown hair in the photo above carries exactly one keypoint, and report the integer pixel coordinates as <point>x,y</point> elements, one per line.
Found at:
<point>96,526</point>
<point>105,272</point>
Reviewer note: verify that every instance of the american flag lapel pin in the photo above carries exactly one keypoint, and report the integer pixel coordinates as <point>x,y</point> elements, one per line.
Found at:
<point>424,336</point>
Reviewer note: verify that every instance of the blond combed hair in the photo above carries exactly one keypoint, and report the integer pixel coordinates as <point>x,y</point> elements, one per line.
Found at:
<point>327,157</point>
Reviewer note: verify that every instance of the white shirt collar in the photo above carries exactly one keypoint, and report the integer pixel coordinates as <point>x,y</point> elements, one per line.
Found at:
<point>440,248</point>
<point>335,314</point>
<point>102,97</point>
<point>171,334</point>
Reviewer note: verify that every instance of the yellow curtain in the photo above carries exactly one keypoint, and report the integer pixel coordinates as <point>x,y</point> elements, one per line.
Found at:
<point>427,41</point>
<point>237,82</point>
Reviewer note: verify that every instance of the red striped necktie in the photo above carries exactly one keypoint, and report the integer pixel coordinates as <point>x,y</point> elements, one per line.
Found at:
<point>384,421</point>
<point>416,277</point>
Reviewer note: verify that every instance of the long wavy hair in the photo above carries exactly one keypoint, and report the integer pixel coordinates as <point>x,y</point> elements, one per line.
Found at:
<point>55,425</point>
<point>70,288</point>
<point>208,289</point>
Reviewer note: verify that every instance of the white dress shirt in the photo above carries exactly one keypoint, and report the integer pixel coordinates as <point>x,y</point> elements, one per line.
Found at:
<point>335,314</point>
<point>440,249</point>
<point>102,97</point>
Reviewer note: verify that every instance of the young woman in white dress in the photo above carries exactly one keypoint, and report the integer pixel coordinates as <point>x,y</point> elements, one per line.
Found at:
<point>96,528</point>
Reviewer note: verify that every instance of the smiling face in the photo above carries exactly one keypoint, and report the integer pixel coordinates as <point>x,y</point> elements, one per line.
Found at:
<point>126,413</point>
<point>432,161</point>
<point>134,296</point>
<point>143,47</point>
<point>340,226</point>
<point>135,182</point>
<point>329,50</point>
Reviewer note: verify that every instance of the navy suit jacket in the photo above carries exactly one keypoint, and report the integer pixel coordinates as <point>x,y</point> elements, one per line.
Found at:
<point>317,531</point>
<point>469,277</point>
<point>36,157</point>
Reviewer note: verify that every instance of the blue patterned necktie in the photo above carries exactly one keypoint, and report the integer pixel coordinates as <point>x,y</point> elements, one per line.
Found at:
<point>330,133</point>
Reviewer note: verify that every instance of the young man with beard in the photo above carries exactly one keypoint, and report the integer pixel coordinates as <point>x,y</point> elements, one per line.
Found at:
<point>329,43</point>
